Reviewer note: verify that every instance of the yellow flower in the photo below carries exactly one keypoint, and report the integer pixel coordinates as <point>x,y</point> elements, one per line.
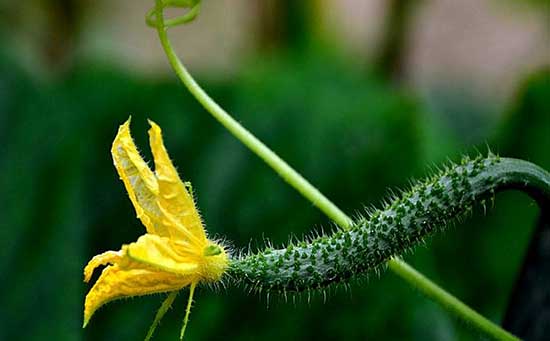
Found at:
<point>174,253</point>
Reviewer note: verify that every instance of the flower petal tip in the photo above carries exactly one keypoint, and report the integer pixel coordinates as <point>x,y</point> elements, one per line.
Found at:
<point>87,316</point>
<point>109,257</point>
<point>152,123</point>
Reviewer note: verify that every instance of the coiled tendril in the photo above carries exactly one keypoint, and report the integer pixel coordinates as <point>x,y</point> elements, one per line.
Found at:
<point>193,7</point>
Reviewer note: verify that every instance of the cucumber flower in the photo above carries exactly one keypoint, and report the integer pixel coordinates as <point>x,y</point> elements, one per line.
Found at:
<point>175,251</point>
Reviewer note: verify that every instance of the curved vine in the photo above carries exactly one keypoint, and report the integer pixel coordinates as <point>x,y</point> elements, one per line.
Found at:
<point>365,244</point>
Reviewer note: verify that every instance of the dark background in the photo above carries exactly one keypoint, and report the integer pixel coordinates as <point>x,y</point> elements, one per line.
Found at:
<point>355,127</point>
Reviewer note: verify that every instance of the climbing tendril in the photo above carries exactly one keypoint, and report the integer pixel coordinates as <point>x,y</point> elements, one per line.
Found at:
<point>193,6</point>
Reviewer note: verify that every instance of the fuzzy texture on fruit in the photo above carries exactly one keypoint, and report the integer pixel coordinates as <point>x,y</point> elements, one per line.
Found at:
<point>405,221</point>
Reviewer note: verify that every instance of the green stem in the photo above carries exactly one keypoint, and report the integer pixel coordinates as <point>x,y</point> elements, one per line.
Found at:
<point>311,193</point>
<point>256,146</point>
<point>166,304</point>
<point>448,301</point>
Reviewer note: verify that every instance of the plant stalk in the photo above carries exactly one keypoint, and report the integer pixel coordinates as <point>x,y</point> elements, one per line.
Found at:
<point>306,189</point>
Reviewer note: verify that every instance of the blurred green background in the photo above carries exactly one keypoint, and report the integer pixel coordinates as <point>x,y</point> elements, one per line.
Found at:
<point>359,96</point>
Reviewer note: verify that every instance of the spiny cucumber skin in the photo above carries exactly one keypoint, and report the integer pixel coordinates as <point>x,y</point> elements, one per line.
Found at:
<point>399,226</point>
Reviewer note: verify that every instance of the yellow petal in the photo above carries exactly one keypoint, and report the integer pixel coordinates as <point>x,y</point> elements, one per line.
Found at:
<point>109,257</point>
<point>165,255</point>
<point>145,194</point>
<point>174,199</point>
<point>139,180</point>
<point>117,282</point>
<point>150,265</point>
